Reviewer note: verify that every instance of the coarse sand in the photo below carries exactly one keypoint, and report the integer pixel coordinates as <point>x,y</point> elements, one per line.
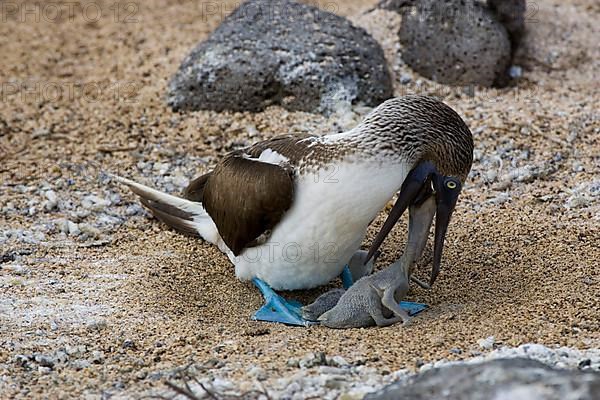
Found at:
<point>82,96</point>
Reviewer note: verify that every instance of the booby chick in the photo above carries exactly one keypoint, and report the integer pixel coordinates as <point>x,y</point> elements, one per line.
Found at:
<point>358,267</point>
<point>376,299</point>
<point>291,211</point>
<point>372,300</point>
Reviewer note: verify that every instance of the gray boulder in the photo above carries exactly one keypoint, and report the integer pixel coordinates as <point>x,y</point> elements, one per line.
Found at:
<point>512,378</point>
<point>281,52</point>
<point>456,42</point>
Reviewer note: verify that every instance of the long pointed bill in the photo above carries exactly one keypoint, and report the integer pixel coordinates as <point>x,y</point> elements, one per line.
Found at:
<point>446,197</point>
<point>412,186</point>
<point>442,219</point>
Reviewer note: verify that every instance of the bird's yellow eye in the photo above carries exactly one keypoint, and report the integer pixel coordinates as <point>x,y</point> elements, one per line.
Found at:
<point>451,185</point>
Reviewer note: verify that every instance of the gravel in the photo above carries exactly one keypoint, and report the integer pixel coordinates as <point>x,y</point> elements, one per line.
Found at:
<point>318,375</point>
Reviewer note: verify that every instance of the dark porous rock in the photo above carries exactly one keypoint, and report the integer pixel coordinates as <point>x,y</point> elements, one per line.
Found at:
<point>285,53</point>
<point>511,378</point>
<point>456,42</point>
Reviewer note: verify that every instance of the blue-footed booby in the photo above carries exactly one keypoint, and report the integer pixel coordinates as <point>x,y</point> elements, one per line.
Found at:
<point>290,212</point>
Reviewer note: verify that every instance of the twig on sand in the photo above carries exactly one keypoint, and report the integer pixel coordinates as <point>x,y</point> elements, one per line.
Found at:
<point>115,149</point>
<point>185,392</point>
<point>210,393</point>
<point>188,393</point>
<point>185,376</point>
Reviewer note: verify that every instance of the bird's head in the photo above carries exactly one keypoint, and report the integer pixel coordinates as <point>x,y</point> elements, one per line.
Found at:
<point>423,182</point>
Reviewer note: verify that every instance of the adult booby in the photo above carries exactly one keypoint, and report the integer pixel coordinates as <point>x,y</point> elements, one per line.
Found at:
<point>292,211</point>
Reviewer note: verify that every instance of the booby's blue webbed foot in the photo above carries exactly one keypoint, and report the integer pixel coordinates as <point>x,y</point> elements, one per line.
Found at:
<point>291,312</point>
<point>278,309</point>
<point>347,278</point>
<point>413,308</point>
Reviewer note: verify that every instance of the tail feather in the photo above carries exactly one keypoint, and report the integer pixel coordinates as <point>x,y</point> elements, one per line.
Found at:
<point>183,215</point>
<point>181,225</point>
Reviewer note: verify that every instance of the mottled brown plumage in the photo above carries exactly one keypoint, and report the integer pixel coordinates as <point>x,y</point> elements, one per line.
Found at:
<point>422,129</point>
<point>246,198</point>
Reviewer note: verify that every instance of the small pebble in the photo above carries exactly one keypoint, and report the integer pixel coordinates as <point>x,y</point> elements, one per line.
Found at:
<point>89,230</point>
<point>293,362</point>
<point>52,200</point>
<point>75,350</point>
<point>337,361</point>
<point>584,363</point>
<point>313,360</point>
<point>44,370</point>
<point>257,373</point>
<point>515,71</point>
<point>141,375</point>
<point>17,269</point>
<point>119,385</point>
<point>96,325</point>
<point>97,357</point>
<point>44,361</point>
<point>81,364</point>
<point>487,343</point>
<point>577,167</point>
<point>94,203</point>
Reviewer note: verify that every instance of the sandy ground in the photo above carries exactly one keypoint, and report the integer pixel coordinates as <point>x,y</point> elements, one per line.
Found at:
<point>81,96</point>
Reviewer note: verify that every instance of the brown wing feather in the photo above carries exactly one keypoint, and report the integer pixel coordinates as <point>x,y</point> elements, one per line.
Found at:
<point>195,190</point>
<point>245,198</point>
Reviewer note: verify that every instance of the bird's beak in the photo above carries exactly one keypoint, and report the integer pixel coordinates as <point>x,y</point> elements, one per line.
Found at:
<point>376,255</point>
<point>447,190</point>
<point>417,187</point>
<point>415,183</point>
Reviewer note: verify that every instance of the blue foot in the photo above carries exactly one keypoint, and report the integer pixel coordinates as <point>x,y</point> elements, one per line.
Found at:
<point>410,307</point>
<point>347,279</point>
<point>289,312</point>
<point>413,308</point>
<point>278,309</point>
